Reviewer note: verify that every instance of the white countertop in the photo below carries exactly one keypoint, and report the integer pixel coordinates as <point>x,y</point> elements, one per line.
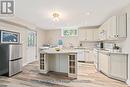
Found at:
<point>109,52</point>
<point>62,51</point>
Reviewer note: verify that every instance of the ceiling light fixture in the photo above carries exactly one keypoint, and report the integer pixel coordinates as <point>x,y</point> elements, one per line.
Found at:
<point>56,16</point>
<point>88,13</point>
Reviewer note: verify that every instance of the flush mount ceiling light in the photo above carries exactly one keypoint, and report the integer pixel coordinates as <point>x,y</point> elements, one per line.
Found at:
<point>88,13</point>
<point>56,16</point>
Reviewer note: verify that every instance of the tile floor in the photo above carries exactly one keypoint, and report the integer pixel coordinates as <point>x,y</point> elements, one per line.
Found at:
<point>87,77</point>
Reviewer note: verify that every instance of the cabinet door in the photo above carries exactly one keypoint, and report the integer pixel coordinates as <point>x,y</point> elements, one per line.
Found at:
<point>122,26</point>
<point>118,67</point>
<point>103,63</point>
<point>89,34</point>
<point>112,28</point>
<point>103,32</point>
<point>100,33</point>
<point>95,35</point>
<point>81,55</point>
<point>89,56</point>
<point>72,65</point>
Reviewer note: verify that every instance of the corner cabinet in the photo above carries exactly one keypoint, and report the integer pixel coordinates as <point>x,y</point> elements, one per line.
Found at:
<point>114,65</point>
<point>72,66</point>
<point>119,67</point>
<point>118,27</point>
<point>114,28</point>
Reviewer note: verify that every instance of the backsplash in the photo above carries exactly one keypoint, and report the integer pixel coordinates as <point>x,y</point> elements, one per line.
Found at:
<point>89,45</point>
<point>110,45</point>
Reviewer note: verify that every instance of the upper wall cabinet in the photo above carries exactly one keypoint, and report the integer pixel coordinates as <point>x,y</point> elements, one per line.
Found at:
<point>92,35</point>
<point>114,29</point>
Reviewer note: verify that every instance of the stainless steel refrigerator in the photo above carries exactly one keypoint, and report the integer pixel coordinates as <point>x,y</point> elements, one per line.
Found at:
<point>10,59</point>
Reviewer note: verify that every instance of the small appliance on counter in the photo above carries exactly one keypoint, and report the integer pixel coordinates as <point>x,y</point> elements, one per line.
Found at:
<point>10,59</point>
<point>100,45</point>
<point>116,48</point>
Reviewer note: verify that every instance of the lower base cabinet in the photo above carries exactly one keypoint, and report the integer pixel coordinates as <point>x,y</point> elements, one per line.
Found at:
<point>55,62</point>
<point>114,65</point>
<point>118,67</point>
<point>89,56</point>
<point>104,63</point>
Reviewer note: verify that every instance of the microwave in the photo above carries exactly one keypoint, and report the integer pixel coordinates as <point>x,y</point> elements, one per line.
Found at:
<point>9,37</point>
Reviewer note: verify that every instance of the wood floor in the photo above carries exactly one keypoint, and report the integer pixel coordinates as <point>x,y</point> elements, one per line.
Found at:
<point>87,77</point>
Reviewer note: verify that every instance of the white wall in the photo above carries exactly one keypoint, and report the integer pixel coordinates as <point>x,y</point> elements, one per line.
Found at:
<point>23,37</point>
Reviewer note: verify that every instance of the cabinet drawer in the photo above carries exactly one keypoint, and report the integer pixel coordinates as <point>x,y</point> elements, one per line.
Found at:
<point>15,67</point>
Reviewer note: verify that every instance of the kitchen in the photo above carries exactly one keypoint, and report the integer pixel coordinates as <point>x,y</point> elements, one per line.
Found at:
<point>59,54</point>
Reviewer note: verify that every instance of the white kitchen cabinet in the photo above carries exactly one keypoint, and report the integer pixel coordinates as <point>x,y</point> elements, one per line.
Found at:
<point>100,35</point>
<point>114,65</point>
<point>118,28</point>
<point>122,26</point>
<point>95,35</point>
<point>96,59</point>
<point>81,55</point>
<point>114,28</point>
<point>92,35</point>
<point>104,63</point>
<point>118,66</point>
<point>103,32</point>
<point>89,56</point>
<point>111,33</point>
<point>89,35</point>
<point>59,62</point>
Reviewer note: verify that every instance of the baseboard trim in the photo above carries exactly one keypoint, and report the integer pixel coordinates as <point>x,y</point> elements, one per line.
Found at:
<point>24,64</point>
<point>128,82</point>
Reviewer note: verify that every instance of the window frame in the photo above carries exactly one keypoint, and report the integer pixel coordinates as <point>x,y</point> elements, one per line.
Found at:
<point>63,29</point>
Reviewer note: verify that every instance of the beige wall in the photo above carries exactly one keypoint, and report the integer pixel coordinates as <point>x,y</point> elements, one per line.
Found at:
<point>52,37</point>
<point>40,40</point>
<point>23,35</point>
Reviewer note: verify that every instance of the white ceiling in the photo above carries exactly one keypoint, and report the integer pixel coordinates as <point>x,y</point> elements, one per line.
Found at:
<point>73,12</point>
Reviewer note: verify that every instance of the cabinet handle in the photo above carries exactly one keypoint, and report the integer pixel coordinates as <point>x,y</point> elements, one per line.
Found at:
<point>115,35</point>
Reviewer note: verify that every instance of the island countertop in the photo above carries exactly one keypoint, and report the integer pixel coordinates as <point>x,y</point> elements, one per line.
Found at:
<point>62,51</point>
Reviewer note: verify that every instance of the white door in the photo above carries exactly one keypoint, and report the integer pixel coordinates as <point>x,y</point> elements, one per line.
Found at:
<point>32,46</point>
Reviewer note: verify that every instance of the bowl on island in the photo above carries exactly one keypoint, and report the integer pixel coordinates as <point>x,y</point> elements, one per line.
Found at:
<point>57,49</point>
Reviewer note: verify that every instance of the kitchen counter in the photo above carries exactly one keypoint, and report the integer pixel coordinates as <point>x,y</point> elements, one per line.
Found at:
<point>63,61</point>
<point>109,52</point>
<point>62,51</point>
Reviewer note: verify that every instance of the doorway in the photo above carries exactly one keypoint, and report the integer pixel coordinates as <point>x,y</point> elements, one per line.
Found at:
<point>31,46</point>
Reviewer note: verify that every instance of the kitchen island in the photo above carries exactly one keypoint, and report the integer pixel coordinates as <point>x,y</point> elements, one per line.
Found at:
<point>64,61</point>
